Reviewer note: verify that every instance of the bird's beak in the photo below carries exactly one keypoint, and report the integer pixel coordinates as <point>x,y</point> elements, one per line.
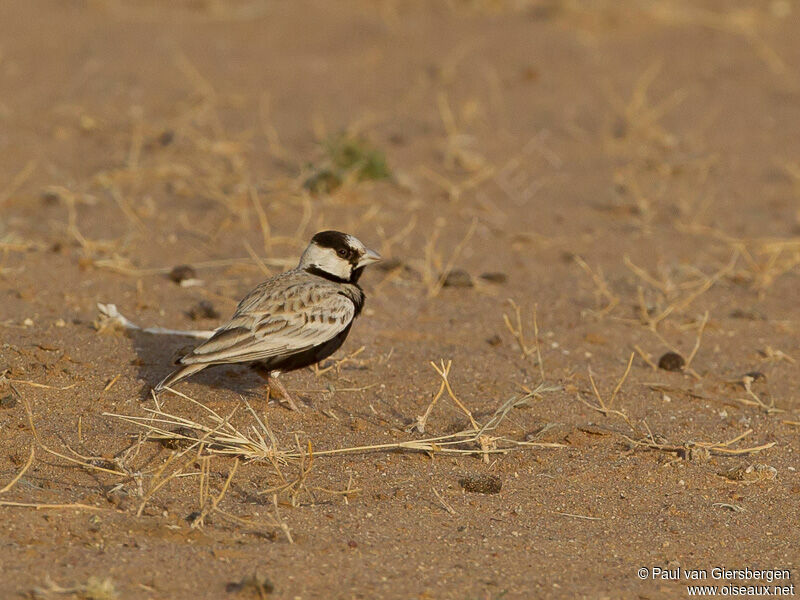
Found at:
<point>370,256</point>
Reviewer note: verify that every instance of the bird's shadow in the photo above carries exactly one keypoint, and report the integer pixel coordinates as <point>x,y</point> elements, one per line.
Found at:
<point>156,356</point>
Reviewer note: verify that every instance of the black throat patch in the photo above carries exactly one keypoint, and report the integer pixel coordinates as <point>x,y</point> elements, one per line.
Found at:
<point>315,270</point>
<point>354,277</point>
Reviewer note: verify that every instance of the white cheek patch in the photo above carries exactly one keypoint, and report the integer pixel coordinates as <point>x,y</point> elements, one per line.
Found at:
<point>327,260</point>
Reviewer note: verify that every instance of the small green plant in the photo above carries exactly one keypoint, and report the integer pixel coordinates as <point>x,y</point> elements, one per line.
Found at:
<point>346,157</point>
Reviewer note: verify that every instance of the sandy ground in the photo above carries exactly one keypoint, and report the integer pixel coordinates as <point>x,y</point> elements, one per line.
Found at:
<point>632,169</point>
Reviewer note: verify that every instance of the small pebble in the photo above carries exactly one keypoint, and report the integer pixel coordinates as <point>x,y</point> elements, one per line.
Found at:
<point>182,273</point>
<point>481,484</point>
<point>494,340</point>
<point>457,278</point>
<point>749,315</point>
<point>8,401</point>
<point>252,586</point>
<point>203,310</point>
<point>50,197</point>
<point>166,137</point>
<point>671,361</point>
<point>494,277</point>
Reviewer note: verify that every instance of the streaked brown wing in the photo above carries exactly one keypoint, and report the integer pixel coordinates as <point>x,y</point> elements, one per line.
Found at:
<point>302,318</point>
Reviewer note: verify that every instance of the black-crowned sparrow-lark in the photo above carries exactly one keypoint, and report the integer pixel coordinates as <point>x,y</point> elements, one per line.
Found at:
<point>292,320</point>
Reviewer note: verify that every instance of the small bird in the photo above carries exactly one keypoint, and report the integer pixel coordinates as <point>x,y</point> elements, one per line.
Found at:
<point>292,320</point>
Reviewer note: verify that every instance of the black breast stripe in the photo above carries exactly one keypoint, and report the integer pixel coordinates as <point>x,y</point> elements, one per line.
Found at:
<point>315,270</point>
<point>356,296</point>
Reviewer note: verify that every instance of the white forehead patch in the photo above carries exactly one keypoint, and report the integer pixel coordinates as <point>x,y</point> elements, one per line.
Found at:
<point>354,242</point>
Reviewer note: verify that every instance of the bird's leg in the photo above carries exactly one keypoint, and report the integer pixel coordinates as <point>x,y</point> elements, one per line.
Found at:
<point>275,383</point>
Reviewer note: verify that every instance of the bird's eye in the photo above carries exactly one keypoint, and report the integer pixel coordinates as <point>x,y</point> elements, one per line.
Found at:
<point>342,252</point>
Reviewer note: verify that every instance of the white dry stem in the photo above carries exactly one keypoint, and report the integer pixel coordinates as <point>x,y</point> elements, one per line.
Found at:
<point>109,315</point>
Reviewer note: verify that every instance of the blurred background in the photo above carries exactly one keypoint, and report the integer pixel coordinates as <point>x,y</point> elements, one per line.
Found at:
<point>166,126</point>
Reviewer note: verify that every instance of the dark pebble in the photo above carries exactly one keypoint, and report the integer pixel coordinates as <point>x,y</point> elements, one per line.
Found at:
<point>749,315</point>
<point>182,273</point>
<point>494,277</point>
<point>495,340</point>
<point>254,586</point>
<point>568,257</point>
<point>203,310</point>
<point>8,401</point>
<point>481,484</point>
<point>51,198</point>
<point>671,361</point>
<point>457,278</point>
<point>167,137</point>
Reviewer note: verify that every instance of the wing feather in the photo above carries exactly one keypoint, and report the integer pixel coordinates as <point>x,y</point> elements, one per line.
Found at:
<point>265,325</point>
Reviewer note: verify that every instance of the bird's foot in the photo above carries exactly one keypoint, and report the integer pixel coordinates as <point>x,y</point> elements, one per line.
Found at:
<point>286,398</point>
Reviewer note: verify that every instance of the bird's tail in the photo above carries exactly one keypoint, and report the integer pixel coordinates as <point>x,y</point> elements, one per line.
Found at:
<point>179,374</point>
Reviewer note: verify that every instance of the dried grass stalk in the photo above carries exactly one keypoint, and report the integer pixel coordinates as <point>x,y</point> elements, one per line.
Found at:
<point>257,442</point>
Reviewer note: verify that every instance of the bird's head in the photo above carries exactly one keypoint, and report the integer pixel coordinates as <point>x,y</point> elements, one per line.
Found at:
<point>338,256</point>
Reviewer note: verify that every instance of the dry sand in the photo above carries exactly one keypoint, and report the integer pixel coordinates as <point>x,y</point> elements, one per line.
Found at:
<point>632,169</point>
